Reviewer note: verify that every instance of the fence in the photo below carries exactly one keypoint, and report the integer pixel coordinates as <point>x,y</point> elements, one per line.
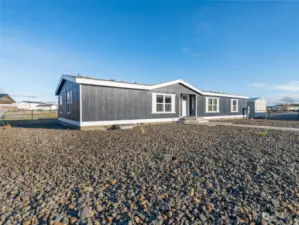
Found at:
<point>28,115</point>
<point>273,115</point>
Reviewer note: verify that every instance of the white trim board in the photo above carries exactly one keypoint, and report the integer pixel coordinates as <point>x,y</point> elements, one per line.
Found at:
<point>80,93</point>
<point>221,117</point>
<point>119,122</point>
<point>207,104</point>
<point>107,83</point>
<point>231,105</point>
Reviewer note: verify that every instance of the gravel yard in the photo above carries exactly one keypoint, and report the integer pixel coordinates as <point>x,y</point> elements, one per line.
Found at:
<point>265,122</point>
<point>164,174</point>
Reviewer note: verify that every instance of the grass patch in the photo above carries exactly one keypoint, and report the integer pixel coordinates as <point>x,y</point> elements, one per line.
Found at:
<point>263,133</point>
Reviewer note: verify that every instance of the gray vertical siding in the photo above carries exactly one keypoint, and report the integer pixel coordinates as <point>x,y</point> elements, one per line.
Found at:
<point>75,106</point>
<point>224,106</point>
<point>107,103</point>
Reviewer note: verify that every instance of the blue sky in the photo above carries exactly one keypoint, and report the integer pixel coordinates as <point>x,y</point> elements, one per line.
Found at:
<point>240,47</point>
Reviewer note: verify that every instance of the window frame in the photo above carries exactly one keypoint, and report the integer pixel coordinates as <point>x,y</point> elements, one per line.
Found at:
<point>207,105</point>
<point>60,99</point>
<point>69,101</point>
<point>155,103</point>
<point>232,106</point>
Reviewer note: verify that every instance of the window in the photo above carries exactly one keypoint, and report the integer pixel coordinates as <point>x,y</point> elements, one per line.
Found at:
<point>69,100</point>
<point>60,99</point>
<point>234,105</point>
<point>163,103</point>
<point>212,105</point>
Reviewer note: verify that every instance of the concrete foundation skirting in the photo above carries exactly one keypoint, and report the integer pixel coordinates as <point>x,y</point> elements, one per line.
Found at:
<point>31,122</point>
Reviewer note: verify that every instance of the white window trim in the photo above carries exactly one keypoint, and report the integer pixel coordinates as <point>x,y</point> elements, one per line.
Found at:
<point>69,101</point>
<point>154,103</point>
<point>207,105</point>
<point>231,105</point>
<point>60,99</point>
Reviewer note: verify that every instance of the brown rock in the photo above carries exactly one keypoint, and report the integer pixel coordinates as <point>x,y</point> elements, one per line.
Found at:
<point>28,222</point>
<point>136,218</point>
<point>73,219</point>
<point>109,219</point>
<point>112,182</point>
<point>25,198</point>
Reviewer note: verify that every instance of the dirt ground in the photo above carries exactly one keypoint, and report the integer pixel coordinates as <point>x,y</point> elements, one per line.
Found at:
<point>265,122</point>
<point>162,174</point>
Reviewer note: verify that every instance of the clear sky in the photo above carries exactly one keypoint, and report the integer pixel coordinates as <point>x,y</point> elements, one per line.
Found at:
<point>240,47</point>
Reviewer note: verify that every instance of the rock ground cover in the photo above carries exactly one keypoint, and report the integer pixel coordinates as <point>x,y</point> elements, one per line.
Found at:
<point>168,174</point>
<point>264,122</point>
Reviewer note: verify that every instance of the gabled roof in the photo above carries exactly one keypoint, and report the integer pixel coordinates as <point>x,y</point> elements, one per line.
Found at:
<point>112,83</point>
<point>45,105</point>
<point>6,99</point>
<point>33,102</point>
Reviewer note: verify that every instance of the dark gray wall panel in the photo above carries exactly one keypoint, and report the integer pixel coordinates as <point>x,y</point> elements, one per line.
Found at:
<point>108,103</point>
<point>175,89</point>
<point>224,107</point>
<point>75,106</point>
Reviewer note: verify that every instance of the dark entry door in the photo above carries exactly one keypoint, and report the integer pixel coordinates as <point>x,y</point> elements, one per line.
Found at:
<point>192,105</point>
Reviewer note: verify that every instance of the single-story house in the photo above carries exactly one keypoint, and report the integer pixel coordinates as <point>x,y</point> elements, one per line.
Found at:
<point>84,101</point>
<point>6,102</point>
<point>291,107</point>
<point>46,107</point>
<point>28,105</point>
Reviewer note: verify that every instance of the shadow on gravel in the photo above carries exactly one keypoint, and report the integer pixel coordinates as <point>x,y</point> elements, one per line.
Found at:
<point>37,124</point>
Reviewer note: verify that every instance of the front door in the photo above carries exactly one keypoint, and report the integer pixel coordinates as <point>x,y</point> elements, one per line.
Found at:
<point>192,105</point>
<point>184,106</point>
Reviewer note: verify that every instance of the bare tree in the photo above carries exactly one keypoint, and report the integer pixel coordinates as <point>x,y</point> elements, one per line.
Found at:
<point>286,101</point>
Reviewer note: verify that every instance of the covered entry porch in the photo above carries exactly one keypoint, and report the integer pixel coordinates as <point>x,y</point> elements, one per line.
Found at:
<point>187,105</point>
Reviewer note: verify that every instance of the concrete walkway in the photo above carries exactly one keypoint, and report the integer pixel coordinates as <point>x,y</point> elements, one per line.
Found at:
<point>251,126</point>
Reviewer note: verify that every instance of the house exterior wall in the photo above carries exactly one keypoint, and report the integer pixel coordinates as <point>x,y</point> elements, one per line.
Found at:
<point>53,107</point>
<point>74,107</point>
<point>224,106</point>
<point>26,105</point>
<point>109,103</point>
<point>101,103</point>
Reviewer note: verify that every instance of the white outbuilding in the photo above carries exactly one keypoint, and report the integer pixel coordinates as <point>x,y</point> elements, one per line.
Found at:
<point>257,107</point>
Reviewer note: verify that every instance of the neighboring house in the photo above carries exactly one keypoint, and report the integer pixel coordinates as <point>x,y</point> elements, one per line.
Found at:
<point>27,105</point>
<point>275,108</point>
<point>5,102</point>
<point>85,101</point>
<point>291,107</point>
<point>46,107</point>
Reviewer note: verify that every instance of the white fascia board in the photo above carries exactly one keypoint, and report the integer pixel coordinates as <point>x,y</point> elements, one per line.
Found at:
<point>63,77</point>
<point>195,89</point>
<point>81,80</point>
<point>223,95</point>
<point>107,83</point>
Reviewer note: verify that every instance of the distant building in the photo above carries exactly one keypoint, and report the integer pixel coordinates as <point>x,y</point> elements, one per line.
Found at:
<point>257,107</point>
<point>27,105</point>
<point>46,107</point>
<point>291,107</point>
<point>6,102</point>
